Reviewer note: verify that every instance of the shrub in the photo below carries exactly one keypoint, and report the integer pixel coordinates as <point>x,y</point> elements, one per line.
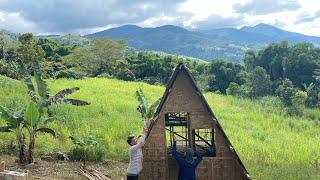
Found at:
<point>9,70</point>
<point>286,91</point>
<point>271,104</point>
<point>70,74</point>
<point>96,153</point>
<point>298,101</point>
<point>125,74</point>
<point>312,92</point>
<point>235,89</point>
<point>87,149</point>
<point>105,75</point>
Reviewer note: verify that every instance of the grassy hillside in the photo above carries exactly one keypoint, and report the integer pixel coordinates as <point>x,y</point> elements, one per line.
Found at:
<point>271,145</point>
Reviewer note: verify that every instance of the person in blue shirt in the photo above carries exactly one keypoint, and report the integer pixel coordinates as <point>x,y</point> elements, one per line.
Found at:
<point>188,164</point>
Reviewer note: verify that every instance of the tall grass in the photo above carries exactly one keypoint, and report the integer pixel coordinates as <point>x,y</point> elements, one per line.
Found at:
<point>271,144</point>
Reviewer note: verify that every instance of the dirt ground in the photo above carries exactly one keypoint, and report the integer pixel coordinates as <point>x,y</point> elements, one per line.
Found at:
<point>63,169</point>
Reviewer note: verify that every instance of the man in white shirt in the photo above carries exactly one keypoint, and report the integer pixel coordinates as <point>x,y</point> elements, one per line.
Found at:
<point>135,152</point>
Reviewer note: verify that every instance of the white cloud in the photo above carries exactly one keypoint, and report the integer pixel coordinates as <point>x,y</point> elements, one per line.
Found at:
<point>14,22</point>
<point>258,7</point>
<point>86,16</point>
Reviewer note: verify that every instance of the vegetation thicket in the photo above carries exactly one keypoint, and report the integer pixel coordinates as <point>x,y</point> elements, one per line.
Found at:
<point>269,107</point>
<point>272,144</point>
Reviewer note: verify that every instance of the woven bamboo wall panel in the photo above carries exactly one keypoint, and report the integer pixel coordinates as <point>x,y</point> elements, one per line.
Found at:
<point>154,171</point>
<point>212,168</point>
<point>184,98</point>
<point>219,169</point>
<point>223,149</point>
<point>155,154</point>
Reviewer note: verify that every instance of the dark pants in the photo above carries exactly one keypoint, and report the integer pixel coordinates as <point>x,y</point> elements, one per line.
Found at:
<point>132,177</point>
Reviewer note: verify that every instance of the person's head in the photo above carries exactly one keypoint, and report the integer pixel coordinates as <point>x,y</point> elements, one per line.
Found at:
<point>131,140</point>
<point>189,155</point>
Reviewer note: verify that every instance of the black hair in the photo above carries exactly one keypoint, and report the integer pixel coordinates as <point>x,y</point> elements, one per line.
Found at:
<point>129,139</point>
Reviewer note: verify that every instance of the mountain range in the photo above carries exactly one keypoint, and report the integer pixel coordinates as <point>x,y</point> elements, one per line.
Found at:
<point>227,43</point>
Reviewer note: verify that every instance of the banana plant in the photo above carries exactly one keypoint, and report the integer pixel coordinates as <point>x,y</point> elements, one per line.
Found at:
<point>35,123</point>
<point>41,95</point>
<point>309,88</point>
<point>147,111</point>
<point>38,113</point>
<point>14,123</point>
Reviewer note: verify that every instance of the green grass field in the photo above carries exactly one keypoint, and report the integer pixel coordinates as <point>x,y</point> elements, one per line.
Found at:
<point>271,144</point>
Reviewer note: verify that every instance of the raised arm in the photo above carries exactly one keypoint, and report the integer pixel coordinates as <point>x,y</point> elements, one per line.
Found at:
<point>141,141</point>
<point>198,159</point>
<point>175,153</point>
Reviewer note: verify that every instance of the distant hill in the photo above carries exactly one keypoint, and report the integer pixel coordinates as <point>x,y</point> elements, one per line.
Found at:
<point>8,37</point>
<point>228,43</point>
<point>12,38</point>
<point>71,40</point>
<point>173,40</point>
<point>259,35</point>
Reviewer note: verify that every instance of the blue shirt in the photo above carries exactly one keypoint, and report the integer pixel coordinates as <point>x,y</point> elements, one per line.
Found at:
<point>187,170</point>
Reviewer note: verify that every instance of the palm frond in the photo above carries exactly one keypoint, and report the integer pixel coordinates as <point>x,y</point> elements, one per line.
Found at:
<point>143,104</point>
<point>58,98</point>
<point>5,129</point>
<point>77,141</point>
<point>43,89</point>
<point>44,121</point>
<point>46,130</point>
<point>27,80</point>
<point>76,102</point>
<point>7,115</point>
<point>32,114</point>
<point>153,107</point>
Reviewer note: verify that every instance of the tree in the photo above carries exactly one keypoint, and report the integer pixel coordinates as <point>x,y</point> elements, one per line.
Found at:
<point>222,73</point>
<point>53,51</point>
<point>260,82</point>
<point>271,58</point>
<point>100,57</point>
<point>296,62</point>
<point>29,51</point>
<point>303,61</point>
<point>2,52</point>
<point>249,60</point>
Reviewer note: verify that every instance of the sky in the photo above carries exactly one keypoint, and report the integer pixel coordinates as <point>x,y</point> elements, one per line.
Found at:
<point>88,16</point>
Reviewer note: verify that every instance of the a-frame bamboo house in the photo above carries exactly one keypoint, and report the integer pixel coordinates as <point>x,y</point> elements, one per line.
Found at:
<point>185,112</point>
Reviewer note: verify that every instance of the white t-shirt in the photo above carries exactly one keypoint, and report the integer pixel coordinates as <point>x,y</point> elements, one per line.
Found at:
<point>136,156</point>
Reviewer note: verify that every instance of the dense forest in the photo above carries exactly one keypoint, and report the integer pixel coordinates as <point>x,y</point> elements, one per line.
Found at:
<point>290,72</point>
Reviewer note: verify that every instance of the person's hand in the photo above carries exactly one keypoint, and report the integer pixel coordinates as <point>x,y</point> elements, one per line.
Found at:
<point>173,136</point>
<point>145,129</point>
<point>148,124</point>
